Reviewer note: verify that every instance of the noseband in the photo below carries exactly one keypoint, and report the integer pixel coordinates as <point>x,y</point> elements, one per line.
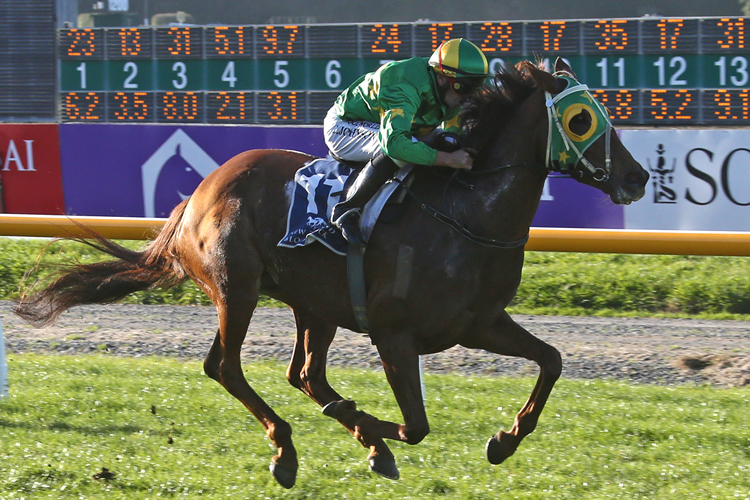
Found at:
<point>561,140</point>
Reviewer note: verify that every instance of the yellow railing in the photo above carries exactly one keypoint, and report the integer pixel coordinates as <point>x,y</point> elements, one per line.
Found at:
<point>542,239</point>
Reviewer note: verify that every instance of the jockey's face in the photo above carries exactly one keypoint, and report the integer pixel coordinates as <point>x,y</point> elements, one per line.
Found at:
<point>451,98</point>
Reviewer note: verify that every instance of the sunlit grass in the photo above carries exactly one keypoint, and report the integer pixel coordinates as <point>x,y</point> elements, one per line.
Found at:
<point>69,416</point>
<point>553,282</point>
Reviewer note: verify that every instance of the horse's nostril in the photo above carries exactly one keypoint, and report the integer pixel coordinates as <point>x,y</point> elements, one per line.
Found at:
<point>635,177</point>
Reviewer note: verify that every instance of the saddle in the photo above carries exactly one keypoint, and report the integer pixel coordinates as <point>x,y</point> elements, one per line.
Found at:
<point>394,207</point>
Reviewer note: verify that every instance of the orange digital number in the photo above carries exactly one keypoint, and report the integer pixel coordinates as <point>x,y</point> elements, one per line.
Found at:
<point>552,34</point>
<point>279,40</point>
<point>131,106</point>
<point>284,106</point>
<point>619,103</point>
<point>230,102</point>
<point>724,99</point>
<point>181,42</point>
<point>614,36</point>
<point>130,42</point>
<point>82,42</point>
<point>224,46</point>
<point>734,33</point>
<point>83,106</point>
<point>499,37</point>
<point>669,33</point>
<point>661,108</point>
<point>182,106</point>
<point>439,33</point>
<point>387,39</point>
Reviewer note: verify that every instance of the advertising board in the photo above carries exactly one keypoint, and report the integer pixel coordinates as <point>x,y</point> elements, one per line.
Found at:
<point>30,169</point>
<point>145,170</point>
<point>700,179</point>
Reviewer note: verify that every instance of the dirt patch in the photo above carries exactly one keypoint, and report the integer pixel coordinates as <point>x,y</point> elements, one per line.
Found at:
<point>638,350</point>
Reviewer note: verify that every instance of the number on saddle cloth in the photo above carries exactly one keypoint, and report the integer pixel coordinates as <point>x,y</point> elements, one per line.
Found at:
<point>319,185</point>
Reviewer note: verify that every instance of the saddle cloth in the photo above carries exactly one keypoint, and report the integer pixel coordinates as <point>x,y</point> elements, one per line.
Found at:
<point>317,187</point>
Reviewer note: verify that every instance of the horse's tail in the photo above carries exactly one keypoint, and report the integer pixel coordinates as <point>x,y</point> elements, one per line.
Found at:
<point>108,281</point>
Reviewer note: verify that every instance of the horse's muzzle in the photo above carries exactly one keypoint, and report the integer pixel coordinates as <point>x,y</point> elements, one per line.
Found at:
<point>631,188</point>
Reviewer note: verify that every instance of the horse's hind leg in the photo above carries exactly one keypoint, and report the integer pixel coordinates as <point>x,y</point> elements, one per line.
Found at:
<point>307,372</point>
<point>510,339</point>
<point>235,309</point>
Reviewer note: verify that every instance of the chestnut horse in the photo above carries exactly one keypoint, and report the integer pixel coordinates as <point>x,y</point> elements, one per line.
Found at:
<point>429,287</point>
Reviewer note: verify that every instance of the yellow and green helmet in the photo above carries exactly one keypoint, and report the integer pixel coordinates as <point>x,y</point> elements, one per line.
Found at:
<point>460,59</point>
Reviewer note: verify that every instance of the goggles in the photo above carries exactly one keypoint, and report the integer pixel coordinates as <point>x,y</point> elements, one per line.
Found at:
<point>464,86</point>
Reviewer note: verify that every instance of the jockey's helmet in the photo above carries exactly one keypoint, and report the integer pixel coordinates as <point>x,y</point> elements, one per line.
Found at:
<point>462,63</point>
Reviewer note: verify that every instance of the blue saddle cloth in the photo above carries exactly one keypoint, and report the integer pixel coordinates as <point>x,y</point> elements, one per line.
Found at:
<point>318,186</point>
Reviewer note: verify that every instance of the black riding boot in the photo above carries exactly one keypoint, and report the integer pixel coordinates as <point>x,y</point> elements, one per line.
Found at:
<point>346,214</point>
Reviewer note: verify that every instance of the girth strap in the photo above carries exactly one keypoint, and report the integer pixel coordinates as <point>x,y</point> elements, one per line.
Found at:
<point>355,271</point>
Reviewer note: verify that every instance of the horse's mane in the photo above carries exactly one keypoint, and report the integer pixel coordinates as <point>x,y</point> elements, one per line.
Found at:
<point>488,111</point>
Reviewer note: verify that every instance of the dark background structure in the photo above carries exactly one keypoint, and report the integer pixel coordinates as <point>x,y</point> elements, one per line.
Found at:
<point>352,11</point>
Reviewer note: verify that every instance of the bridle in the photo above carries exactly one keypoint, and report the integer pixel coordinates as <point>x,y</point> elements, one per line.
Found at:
<point>576,96</point>
<point>558,141</point>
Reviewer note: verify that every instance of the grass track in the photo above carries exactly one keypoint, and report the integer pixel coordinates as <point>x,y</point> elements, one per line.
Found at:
<point>553,283</point>
<point>69,416</point>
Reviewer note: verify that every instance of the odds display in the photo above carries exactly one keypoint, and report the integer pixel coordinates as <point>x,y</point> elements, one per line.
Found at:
<point>646,71</point>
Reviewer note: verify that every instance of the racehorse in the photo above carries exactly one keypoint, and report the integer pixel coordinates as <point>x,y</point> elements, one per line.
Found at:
<point>430,286</point>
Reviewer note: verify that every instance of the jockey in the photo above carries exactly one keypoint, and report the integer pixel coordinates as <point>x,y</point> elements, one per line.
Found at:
<point>378,118</point>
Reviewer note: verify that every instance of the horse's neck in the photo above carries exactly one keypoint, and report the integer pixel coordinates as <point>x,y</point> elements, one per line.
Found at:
<point>510,198</point>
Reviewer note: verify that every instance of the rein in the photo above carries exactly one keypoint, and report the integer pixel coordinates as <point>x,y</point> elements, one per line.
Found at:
<point>574,90</point>
<point>455,225</point>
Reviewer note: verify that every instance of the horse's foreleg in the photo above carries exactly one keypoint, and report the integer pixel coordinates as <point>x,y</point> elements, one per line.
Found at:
<point>307,372</point>
<point>223,364</point>
<point>401,362</point>
<point>509,339</point>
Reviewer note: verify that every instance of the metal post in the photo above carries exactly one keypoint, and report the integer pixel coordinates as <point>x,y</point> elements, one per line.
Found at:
<point>421,379</point>
<point>3,366</point>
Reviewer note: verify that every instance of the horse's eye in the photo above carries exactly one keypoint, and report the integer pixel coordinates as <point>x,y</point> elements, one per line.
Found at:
<point>580,123</point>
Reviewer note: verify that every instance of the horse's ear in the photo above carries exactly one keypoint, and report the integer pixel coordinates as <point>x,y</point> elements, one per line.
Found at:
<point>541,78</point>
<point>561,65</point>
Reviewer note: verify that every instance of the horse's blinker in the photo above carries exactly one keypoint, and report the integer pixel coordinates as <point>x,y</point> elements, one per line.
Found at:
<point>565,147</point>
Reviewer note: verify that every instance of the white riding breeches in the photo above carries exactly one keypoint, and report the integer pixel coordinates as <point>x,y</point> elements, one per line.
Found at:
<point>353,141</point>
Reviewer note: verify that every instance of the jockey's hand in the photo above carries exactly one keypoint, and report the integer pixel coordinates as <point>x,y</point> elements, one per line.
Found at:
<point>460,159</point>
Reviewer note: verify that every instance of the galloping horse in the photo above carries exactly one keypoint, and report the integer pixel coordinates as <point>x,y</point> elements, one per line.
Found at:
<point>429,286</point>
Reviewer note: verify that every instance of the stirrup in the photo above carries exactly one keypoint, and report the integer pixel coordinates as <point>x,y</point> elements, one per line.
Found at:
<point>349,224</point>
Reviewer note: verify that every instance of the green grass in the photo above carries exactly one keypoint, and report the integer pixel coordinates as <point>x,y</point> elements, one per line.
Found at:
<point>553,283</point>
<point>69,416</point>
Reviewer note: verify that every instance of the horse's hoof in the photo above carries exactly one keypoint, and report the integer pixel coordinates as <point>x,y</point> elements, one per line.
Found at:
<point>334,408</point>
<point>285,476</point>
<point>384,465</point>
<point>497,451</point>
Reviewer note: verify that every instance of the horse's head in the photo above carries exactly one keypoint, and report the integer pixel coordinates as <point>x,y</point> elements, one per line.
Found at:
<point>581,140</point>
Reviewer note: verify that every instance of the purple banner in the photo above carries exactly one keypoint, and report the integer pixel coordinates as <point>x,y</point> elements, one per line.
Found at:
<point>568,203</point>
<point>145,170</point>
